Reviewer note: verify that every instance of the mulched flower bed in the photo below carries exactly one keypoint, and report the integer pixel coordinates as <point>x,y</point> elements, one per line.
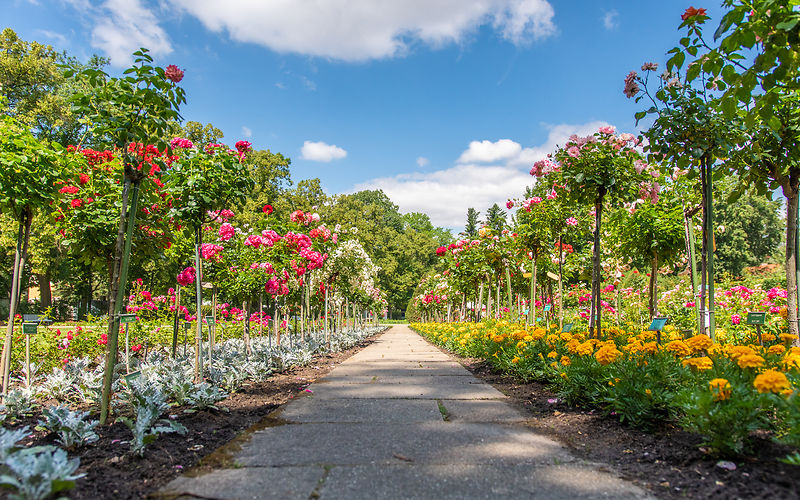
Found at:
<point>111,472</point>
<point>669,462</point>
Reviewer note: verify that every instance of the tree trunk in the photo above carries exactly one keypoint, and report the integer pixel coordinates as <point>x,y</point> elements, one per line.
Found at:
<point>20,256</point>
<point>560,283</point>
<point>791,255</point>
<point>654,286</point>
<point>533,290</point>
<point>709,223</point>
<point>45,293</point>
<point>598,217</point>
<point>198,338</point>
<point>121,258</point>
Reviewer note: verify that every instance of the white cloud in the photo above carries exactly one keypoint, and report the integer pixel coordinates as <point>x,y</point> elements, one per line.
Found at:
<point>446,194</point>
<point>121,27</point>
<point>610,20</point>
<point>359,30</point>
<point>487,151</point>
<point>247,132</point>
<point>422,161</point>
<point>320,151</point>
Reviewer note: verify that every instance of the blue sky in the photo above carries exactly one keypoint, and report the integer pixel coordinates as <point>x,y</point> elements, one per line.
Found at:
<point>443,104</point>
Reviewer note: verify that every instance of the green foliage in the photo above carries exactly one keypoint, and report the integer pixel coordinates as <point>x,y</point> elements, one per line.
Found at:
<point>725,424</point>
<point>471,229</point>
<point>71,426</point>
<point>148,404</point>
<point>495,218</point>
<point>751,234</point>
<point>642,391</point>
<point>38,472</point>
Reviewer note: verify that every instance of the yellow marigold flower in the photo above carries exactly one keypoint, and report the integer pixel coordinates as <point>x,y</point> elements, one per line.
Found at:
<point>527,338</point>
<point>736,351</point>
<point>721,389</point>
<point>701,364</point>
<point>776,349</point>
<point>565,360</point>
<point>794,350</point>
<point>537,333</point>
<point>767,337</point>
<point>791,360</point>
<point>552,339</point>
<point>566,336</point>
<point>515,360</point>
<point>679,348</point>
<point>563,375</point>
<point>572,345</point>
<point>649,347</point>
<point>750,361</point>
<point>771,381</point>
<point>552,354</point>
<point>519,334</point>
<point>699,342</point>
<point>607,354</point>
<point>786,338</point>
<point>648,392</point>
<point>585,349</point>
<point>554,364</point>
<point>521,344</point>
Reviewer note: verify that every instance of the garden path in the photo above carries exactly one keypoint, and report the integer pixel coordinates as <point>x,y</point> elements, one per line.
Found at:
<point>401,419</point>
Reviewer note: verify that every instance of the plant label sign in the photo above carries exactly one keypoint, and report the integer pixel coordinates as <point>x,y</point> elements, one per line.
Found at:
<point>127,318</point>
<point>547,307</point>
<point>31,318</point>
<point>552,276</point>
<point>658,324</point>
<point>756,318</point>
<point>29,328</point>
<point>567,327</point>
<point>210,320</point>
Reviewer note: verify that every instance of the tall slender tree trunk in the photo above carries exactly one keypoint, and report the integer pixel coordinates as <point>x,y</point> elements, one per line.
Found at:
<point>121,258</point>
<point>198,338</point>
<point>791,254</point>
<point>20,256</point>
<point>596,270</point>
<point>653,309</point>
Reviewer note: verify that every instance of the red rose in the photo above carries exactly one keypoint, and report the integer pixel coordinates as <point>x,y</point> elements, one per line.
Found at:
<point>692,12</point>
<point>267,209</point>
<point>173,74</point>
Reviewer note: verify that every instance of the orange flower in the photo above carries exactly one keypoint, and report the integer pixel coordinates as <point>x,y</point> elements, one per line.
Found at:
<point>771,381</point>
<point>721,389</point>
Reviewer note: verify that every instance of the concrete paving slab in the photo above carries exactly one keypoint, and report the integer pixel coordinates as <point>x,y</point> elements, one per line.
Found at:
<point>458,481</point>
<point>249,483</point>
<point>360,410</point>
<point>459,410</point>
<point>429,443</point>
<point>405,391</point>
<point>401,368</point>
<point>401,379</point>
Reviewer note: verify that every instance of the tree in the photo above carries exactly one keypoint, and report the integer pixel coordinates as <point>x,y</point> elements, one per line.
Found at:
<point>601,167</point>
<point>652,236</point>
<point>496,218</point>
<point>132,113</point>
<point>471,229</point>
<point>402,253</point>
<point>29,170</point>
<point>755,66</point>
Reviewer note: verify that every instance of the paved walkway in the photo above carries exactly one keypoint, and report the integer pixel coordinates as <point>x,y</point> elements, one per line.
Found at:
<point>400,419</point>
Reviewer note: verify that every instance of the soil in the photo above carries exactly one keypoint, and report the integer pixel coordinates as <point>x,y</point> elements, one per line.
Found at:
<point>668,462</point>
<point>112,472</point>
